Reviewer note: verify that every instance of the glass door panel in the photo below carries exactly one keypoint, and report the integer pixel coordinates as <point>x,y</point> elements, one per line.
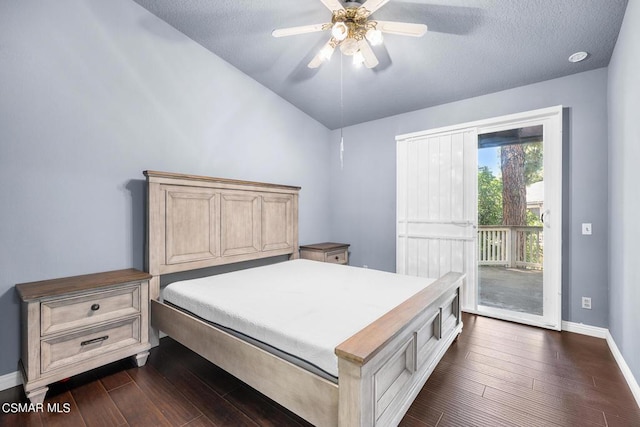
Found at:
<point>511,208</point>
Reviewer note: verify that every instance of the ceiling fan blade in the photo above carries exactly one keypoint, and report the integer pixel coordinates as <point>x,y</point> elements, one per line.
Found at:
<point>292,31</point>
<point>373,5</point>
<point>370,59</point>
<point>323,55</point>
<point>333,4</point>
<point>402,28</point>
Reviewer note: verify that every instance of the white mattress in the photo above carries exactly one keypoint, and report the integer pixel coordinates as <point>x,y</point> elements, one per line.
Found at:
<point>301,307</point>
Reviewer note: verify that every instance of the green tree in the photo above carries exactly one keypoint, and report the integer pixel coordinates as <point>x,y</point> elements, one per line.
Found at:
<point>522,165</point>
<point>533,220</point>
<point>489,197</point>
<point>528,169</point>
<point>514,193</point>
<point>533,171</point>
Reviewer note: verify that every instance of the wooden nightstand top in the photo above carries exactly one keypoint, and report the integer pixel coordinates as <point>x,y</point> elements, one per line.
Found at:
<point>326,246</point>
<point>65,285</point>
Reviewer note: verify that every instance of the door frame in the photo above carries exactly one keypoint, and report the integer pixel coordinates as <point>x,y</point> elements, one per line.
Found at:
<point>551,118</point>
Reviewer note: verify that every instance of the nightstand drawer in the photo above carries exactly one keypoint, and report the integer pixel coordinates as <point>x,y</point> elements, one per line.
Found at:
<point>336,257</point>
<point>78,312</point>
<point>77,347</point>
<point>335,253</point>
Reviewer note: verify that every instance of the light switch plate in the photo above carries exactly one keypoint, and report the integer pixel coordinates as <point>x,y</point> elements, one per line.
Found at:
<point>586,228</point>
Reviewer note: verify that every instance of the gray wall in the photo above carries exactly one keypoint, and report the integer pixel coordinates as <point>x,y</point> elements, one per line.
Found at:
<point>94,92</point>
<point>364,190</point>
<point>624,194</point>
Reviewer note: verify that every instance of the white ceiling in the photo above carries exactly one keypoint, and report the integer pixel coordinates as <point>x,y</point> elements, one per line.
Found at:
<point>473,47</point>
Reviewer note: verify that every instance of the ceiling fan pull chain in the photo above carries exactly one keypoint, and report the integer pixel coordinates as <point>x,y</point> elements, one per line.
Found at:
<point>341,119</point>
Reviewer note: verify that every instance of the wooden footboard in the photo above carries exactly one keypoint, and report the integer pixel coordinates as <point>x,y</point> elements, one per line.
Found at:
<point>383,367</point>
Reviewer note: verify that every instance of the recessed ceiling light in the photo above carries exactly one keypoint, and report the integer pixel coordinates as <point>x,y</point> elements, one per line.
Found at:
<point>578,56</point>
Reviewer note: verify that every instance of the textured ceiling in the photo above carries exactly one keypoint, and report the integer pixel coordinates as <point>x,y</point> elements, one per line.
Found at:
<point>473,47</point>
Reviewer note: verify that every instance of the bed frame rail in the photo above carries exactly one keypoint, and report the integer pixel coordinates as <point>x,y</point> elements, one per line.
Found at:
<point>308,395</point>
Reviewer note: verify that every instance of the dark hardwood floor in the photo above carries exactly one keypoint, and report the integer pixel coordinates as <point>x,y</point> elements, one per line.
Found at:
<point>496,374</point>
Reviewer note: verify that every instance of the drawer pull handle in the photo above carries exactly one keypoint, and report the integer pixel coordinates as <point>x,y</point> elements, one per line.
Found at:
<point>337,257</point>
<point>95,307</point>
<point>95,340</point>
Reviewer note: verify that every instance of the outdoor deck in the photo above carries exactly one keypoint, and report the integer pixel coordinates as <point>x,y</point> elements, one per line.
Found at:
<point>511,288</point>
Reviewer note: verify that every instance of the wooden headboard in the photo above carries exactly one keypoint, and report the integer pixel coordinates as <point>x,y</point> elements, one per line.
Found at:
<point>196,222</point>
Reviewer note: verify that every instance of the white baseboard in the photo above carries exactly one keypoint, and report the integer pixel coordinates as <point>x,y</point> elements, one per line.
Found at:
<point>582,329</point>
<point>626,371</point>
<point>594,331</point>
<point>10,380</point>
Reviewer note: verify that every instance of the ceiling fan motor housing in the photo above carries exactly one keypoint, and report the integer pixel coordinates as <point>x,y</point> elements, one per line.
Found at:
<point>355,18</point>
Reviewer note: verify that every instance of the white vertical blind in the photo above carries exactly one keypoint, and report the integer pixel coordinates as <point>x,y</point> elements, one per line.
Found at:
<point>436,205</point>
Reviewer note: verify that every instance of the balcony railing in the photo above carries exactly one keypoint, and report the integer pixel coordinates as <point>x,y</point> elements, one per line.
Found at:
<point>510,246</point>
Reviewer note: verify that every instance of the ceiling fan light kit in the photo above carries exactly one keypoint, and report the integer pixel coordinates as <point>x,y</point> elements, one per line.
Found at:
<point>374,36</point>
<point>327,51</point>
<point>358,59</point>
<point>340,31</point>
<point>353,32</point>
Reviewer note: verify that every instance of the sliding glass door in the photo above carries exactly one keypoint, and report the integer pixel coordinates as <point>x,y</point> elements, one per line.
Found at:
<point>485,199</point>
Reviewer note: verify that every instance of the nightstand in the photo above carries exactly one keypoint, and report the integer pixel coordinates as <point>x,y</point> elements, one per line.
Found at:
<point>75,324</point>
<point>336,253</point>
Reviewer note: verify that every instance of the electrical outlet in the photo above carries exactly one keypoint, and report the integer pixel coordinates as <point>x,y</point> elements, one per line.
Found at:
<point>586,228</point>
<point>586,303</point>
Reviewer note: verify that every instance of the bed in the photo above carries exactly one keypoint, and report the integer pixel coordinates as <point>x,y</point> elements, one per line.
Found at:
<point>372,375</point>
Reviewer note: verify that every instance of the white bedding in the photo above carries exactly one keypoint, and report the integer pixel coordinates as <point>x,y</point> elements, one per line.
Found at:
<point>304,308</point>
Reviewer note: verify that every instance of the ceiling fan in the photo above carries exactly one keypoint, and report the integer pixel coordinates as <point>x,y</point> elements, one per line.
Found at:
<point>353,31</point>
